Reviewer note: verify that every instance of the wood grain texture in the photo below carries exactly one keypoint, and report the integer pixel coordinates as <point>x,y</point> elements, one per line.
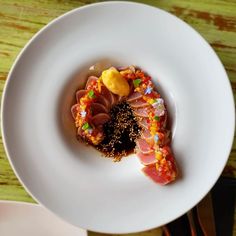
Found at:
<point>215,20</point>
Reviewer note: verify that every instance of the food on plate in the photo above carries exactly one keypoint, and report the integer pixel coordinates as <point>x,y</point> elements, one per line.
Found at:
<point>115,82</point>
<point>121,112</point>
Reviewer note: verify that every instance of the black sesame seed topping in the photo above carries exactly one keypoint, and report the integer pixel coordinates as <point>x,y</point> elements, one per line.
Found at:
<point>120,132</point>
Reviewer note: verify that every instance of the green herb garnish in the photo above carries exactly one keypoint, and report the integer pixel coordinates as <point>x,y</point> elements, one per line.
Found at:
<point>91,94</point>
<point>86,126</point>
<point>136,82</point>
<point>157,118</point>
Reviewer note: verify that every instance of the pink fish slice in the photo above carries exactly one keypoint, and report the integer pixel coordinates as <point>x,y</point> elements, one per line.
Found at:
<point>108,95</point>
<point>114,98</point>
<point>138,103</point>
<point>90,80</point>
<point>74,110</point>
<point>98,108</point>
<point>163,120</point>
<point>80,94</point>
<point>152,173</point>
<point>147,159</point>
<point>144,146</point>
<point>134,96</point>
<point>80,131</point>
<point>100,119</point>
<point>120,99</point>
<point>144,123</point>
<point>166,171</point>
<point>101,99</point>
<point>142,112</point>
<point>146,134</point>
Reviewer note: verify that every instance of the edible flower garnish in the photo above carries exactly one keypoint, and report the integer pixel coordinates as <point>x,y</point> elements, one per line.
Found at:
<point>159,107</point>
<point>90,130</point>
<point>156,138</point>
<point>148,90</point>
<point>83,114</point>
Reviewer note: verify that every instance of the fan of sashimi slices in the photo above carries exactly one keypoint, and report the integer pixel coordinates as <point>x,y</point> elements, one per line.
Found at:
<point>120,111</point>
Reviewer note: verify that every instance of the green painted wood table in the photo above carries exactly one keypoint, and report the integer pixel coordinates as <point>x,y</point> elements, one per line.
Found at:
<point>215,20</point>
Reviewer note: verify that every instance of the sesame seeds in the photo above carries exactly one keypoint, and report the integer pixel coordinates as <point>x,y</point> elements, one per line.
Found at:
<point>120,132</point>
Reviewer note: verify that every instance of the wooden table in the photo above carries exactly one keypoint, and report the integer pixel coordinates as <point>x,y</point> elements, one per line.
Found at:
<point>215,20</point>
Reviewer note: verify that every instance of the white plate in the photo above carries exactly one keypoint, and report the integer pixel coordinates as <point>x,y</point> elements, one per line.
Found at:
<point>72,179</point>
<point>25,219</point>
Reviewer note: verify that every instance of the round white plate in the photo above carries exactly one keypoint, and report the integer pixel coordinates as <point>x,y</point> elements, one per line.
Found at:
<point>27,219</point>
<point>73,180</point>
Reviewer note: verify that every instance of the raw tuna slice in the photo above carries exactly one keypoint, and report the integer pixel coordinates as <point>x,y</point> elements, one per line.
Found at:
<point>101,99</point>
<point>114,99</point>
<point>120,99</point>
<point>144,123</point>
<point>152,173</point>
<point>100,119</point>
<point>138,103</point>
<point>80,131</point>
<point>142,112</point>
<point>108,95</point>
<point>162,173</point>
<point>147,159</point>
<point>74,110</point>
<point>90,80</point>
<point>134,96</point>
<point>131,87</point>
<point>163,120</point>
<point>80,93</point>
<point>143,146</point>
<point>98,108</point>
<point>146,134</point>
<point>100,128</point>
